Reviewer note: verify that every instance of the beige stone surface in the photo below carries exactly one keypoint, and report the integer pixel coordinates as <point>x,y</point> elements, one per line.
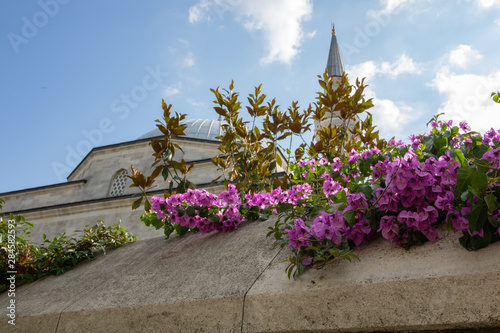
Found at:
<point>54,222</point>
<point>41,197</point>
<point>192,283</point>
<point>432,286</point>
<point>233,282</point>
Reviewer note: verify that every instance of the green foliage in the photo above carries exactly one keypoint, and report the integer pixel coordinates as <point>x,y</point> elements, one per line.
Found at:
<point>347,150</point>
<point>344,104</point>
<point>473,206</point>
<point>56,256</point>
<point>496,97</point>
<point>150,219</point>
<point>249,156</point>
<point>164,151</point>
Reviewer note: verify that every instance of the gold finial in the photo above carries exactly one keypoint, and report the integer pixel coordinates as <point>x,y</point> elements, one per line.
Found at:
<point>333,31</point>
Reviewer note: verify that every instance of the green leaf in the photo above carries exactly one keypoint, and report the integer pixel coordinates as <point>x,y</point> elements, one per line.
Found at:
<point>214,219</point>
<point>264,217</point>
<point>480,183</point>
<point>479,242</point>
<point>203,212</point>
<point>464,179</point>
<point>454,131</point>
<point>464,196</point>
<point>427,142</point>
<point>137,203</point>
<point>366,190</point>
<point>168,230</point>
<point>494,223</point>
<point>476,217</point>
<point>364,167</point>
<point>479,151</point>
<point>150,219</point>
<point>352,255</point>
<point>191,211</point>
<point>491,202</point>
<point>350,217</point>
<point>165,173</point>
<point>180,230</point>
<point>440,142</point>
<point>458,155</point>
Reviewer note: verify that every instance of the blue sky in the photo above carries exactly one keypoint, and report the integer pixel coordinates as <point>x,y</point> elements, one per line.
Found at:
<point>81,74</point>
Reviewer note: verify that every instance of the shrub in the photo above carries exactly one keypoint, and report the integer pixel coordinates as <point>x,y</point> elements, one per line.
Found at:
<point>353,186</point>
<point>56,256</point>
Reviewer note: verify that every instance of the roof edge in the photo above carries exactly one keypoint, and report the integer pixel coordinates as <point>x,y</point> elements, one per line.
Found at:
<point>126,143</point>
<point>44,187</point>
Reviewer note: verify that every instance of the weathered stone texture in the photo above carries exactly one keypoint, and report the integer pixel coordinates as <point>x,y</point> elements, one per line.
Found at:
<point>232,282</point>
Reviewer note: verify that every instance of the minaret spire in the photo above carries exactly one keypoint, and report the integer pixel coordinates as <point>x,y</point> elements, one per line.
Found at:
<point>334,65</point>
<point>335,69</point>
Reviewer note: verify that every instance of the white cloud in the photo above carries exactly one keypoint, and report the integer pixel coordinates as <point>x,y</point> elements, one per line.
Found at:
<point>403,65</point>
<point>367,69</point>
<point>189,60</point>
<point>280,22</point>
<point>391,117</point>
<point>389,7</point>
<point>183,42</point>
<point>200,11</point>
<point>197,104</point>
<point>468,98</point>
<point>173,89</point>
<point>370,69</point>
<point>311,34</point>
<point>488,3</point>
<point>462,55</point>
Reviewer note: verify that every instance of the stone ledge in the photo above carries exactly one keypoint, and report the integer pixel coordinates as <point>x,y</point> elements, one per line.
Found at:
<point>236,282</point>
<point>432,286</point>
<point>420,304</point>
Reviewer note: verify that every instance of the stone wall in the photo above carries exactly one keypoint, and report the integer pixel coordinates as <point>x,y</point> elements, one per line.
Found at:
<point>236,282</point>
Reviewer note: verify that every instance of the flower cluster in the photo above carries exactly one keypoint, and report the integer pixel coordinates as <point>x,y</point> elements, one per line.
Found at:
<point>417,194</point>
<point>401,193</point>
<point>200,209</point>
<point>277,196</point>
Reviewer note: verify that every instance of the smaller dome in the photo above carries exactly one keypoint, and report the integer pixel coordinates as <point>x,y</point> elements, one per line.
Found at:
<point>196,128</point>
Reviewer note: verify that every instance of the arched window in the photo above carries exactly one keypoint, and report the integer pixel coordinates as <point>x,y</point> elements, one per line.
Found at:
<point>118,184</point>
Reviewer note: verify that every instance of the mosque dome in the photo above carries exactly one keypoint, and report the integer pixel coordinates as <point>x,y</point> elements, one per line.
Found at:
<point>196,128</point>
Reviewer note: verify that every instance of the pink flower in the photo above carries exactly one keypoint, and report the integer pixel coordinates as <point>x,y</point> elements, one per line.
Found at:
<point>464,126</point>
<point>331,187</point>
<point>306,260</point>
<point>388,227</point>
<point>493,155</point>
<point>298,236</point>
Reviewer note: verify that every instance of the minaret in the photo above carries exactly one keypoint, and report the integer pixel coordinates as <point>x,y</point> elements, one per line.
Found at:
<point>335,69</point>
<point>334,65</point>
